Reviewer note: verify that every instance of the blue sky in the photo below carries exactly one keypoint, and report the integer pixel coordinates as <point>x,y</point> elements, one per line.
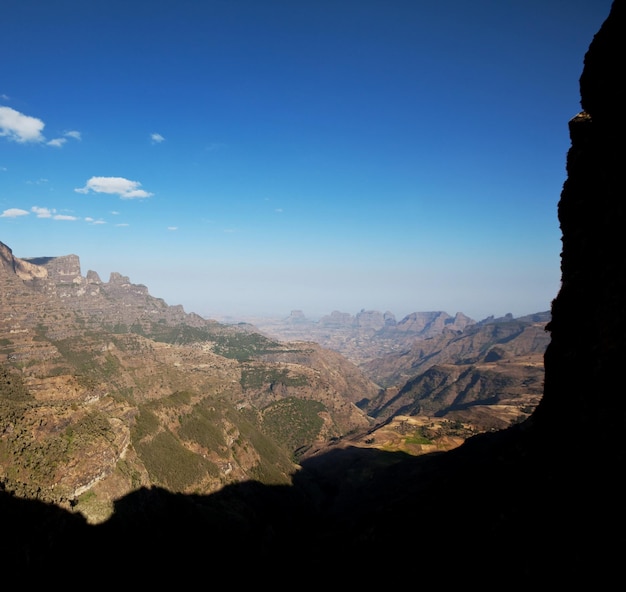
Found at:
<point>252,157</point>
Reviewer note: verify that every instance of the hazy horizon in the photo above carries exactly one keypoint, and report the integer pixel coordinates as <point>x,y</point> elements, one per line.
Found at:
<point>250,158</point>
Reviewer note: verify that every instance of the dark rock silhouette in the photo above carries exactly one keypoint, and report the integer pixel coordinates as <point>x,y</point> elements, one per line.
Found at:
<point>540,503</point>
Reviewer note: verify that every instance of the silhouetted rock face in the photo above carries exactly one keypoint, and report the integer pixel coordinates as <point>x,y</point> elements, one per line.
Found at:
<point>602,89</point>
<point>584,362</point>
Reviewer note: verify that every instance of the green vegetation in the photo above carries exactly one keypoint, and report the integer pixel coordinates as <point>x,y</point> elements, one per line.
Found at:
<point>146,424</point>
<point>203,426</point>
<point>92,507</point>
<point>243,346</point>
<point>123,394</point>
<point>83,358</point>
<point>80,357</point>
<point>227,342</point>
<point>129,472</point>
<point>254,377</point>
<point>111,366</point>
<point>453,427</point>
<point>177,399</point>
<point>418,437</point>
<point>12,387</point>
<point>275,464</point>
<point>293,422</point>
<point>170,464</point>
<point>412,435</point>
<point>91,426</point>
<point>37,463</point>
<point>208,424</point>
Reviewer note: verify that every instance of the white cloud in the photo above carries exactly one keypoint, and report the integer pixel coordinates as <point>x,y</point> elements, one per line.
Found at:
<point>13,213</point>
<point>19,127</point>
<point>57,142</point>
<point>157,138</point>
<point>39,212</point>
<point>125,188</point>
<point>172,227</point>
<point>42,212</point>
<point>23,128</point>
<point>50,213</point>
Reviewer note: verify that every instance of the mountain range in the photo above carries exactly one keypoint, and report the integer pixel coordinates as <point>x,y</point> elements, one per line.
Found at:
<point>220,456</point>
<point>109,388</point>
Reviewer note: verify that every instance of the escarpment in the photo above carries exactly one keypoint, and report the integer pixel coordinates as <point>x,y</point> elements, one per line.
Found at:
<point>583,362</point>
<point>540,503</point>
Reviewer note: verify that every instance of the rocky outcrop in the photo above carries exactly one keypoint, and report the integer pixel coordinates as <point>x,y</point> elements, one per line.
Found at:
<point>427,324</point>
<point>296,316</point>
<point>21,267</point>
<point>374,319</point>
<point>337,319</point>
<point>116,303</point>
<point>63,269</point>
<point>420,324</point>
<point>584,360</point>
<point>366,336</point>
<point>92,277</point>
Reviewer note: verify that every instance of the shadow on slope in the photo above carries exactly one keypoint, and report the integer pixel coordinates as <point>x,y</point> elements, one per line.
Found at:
<point>540,503</point>
<point>503,505</point>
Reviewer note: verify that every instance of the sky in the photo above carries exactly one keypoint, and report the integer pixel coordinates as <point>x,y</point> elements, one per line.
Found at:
<point>253,157</point>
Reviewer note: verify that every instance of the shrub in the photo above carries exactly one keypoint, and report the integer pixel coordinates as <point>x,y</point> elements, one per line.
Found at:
<point>170,464</point>
<point>255,377</point>
<point>293,422</point>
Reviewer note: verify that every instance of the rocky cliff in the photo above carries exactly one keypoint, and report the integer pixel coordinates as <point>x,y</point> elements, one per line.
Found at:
<point>367,335</point>
<point>584,360</point>
<point>106,388</point>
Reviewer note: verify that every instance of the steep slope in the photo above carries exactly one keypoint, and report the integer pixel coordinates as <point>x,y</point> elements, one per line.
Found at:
<point>108,388</point>
<point>507,393</point>
<point>480,376</point>
<point>480,342</point>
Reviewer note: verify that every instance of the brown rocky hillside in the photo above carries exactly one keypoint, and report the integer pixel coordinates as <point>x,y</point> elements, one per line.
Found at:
<point>478,376</point>
<point>487,377</point>
<point>108,388</point>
